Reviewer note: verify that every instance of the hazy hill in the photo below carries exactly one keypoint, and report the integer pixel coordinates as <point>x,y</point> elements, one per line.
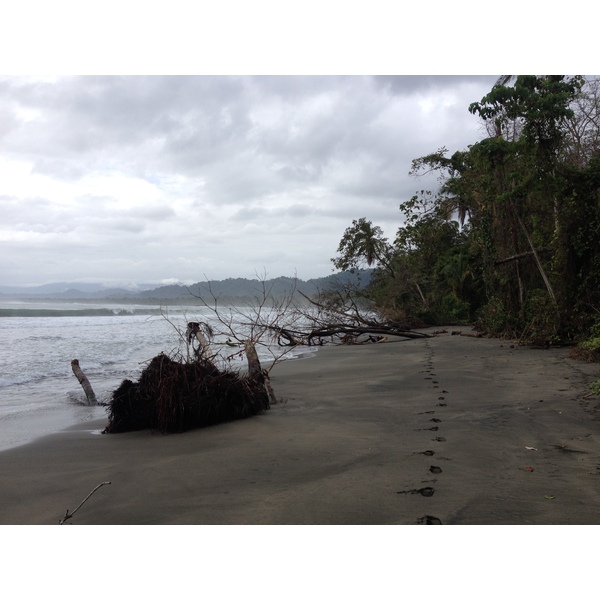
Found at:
<point>232,288</point>
<point>70,290</point>
<point>250,288</point>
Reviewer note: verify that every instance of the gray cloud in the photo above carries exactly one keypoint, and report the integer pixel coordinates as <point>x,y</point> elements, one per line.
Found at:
<point>424,84</point>
<point>155,178</point>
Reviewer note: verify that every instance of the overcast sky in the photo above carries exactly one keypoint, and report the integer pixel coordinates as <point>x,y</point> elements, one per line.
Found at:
<point>145,179</point>
<point>158,179</point>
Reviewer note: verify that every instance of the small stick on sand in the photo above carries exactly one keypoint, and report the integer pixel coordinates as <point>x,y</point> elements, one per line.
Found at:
<point>68,516</point>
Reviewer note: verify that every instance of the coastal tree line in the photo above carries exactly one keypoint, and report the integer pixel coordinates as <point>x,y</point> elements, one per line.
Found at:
<point>510,240</point>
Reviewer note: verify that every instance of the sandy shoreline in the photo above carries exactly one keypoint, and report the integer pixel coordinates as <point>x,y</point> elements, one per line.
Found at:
<point>389,433</point>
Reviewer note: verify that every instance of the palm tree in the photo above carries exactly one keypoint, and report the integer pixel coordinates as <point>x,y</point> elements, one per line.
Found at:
<point>363,243</point>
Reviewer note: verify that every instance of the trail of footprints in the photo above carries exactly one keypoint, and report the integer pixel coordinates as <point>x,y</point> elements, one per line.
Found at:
<point>429,490</point>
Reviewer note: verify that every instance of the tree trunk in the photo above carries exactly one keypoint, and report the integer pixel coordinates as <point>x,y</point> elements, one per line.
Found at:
<point>422,296</point>
<point>502,261</point>
<point>256,372</point>
<point>538,262</point>
<point>254,368</point>
<point>83,380</point>
<point>193,330</point>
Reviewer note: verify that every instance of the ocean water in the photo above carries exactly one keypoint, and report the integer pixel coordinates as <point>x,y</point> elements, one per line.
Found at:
<point>39,394</point>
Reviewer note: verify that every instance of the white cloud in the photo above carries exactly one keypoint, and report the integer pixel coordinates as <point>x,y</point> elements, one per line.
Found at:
<point>160,178</point>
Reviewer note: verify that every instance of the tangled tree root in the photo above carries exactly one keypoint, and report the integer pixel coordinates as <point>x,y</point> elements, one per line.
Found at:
<point>172,397</point>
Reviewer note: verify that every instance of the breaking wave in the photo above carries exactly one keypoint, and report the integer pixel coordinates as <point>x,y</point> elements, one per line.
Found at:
<point>77,312</point>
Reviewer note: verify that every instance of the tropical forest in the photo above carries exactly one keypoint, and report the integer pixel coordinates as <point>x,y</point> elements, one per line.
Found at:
<point>510,238</point>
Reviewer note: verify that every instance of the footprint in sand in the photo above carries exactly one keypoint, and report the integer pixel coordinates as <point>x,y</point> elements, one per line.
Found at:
<point>424,491</point>
<point>434,469</point>
<point>428,520</point>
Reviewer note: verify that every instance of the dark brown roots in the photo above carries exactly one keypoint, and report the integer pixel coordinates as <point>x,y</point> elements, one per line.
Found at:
<point>172,397</point>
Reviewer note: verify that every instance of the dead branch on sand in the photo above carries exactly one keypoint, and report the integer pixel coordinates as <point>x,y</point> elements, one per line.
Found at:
<point>335,317</point>
<point>70,515</point>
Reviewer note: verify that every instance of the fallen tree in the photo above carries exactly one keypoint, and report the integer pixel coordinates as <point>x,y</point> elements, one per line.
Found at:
<point>172,397</point>
<point>295,319</point>
<point>199,388</point>
<point>335,317</point>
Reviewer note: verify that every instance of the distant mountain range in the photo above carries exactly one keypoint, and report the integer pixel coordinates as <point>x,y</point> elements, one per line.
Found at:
<point>238,288</point>
<point>63,289</point>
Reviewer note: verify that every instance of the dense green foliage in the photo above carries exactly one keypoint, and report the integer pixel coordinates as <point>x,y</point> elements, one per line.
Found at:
<point>511,239</point>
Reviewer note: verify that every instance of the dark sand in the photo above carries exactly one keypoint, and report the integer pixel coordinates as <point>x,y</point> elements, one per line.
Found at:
<point>348,444</point>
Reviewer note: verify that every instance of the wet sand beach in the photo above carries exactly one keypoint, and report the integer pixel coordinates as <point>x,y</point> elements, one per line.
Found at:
<point>446,430</point>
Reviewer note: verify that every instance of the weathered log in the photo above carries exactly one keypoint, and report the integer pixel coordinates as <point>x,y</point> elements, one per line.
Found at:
<point>194,331</point>
<point>344,330</point>
<point>83,380</point>
<point>288,335</point>
<point>256,372</point>
<point>254,368</point>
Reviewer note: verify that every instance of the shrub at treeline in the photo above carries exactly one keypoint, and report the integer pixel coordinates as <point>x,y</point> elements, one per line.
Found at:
<point>511,239</point>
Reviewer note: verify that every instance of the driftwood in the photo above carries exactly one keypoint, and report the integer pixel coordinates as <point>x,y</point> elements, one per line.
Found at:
<point>256,372</point>
<point>342,323</point>
<point>83,380</point>
<point>194,330</point>
<point>349,330</point>
<point>254,368</point>
<point>69,515</point>
<point>343,333</point>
